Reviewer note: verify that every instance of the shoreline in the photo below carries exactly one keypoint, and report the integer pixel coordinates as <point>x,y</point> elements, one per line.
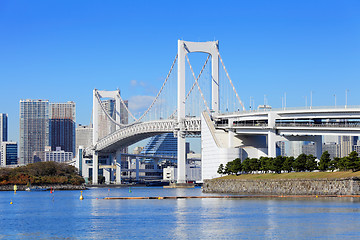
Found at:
<point>43,187</point>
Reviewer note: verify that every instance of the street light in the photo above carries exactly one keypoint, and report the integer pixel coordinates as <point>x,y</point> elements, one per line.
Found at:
<point>346,95</point>
<point>335,99</point>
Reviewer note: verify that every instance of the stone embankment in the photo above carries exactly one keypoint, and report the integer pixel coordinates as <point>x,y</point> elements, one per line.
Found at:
<point>342,186</point>
<point>43,187</point>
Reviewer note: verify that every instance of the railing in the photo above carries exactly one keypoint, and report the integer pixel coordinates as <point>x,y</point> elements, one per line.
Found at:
<point>331,125</point>
<point>293,108</point>
<point>188,126</point>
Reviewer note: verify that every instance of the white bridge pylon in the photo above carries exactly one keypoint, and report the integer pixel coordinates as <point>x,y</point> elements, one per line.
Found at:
<point>185,47</point>
<point>97,95</point>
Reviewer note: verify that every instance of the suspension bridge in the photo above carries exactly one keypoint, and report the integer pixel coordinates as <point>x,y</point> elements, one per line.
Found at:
<point>208,105</point>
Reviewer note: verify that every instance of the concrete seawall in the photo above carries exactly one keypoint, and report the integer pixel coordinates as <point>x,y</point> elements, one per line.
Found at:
<point>343,186</point>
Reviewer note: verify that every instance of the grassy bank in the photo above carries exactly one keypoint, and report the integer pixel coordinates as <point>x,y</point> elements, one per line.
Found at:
<point>295,175</point>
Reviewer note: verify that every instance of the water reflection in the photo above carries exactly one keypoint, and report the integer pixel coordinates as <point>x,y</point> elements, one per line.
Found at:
<point>37,216</point>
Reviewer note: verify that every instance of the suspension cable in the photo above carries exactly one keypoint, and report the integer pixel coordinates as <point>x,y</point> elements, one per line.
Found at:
<point>162,87</point>
<point>192,87</point>
<point>106,113</point>
<point>202,95</point>
<point>227,74</point>
<point>126,108</point>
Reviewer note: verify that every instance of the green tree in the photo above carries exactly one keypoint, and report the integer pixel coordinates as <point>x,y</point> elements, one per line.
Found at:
<point>325,160</point>
<point>227,169</point>
<point>236,166</point>
<point>333,165</point>
<point>265,164</point>
<point>246,165</point>
<point>342,164</point>
<point>254,164</point>
<point>353,161</point>
<point>220,169</point>
<point>288,164</point>
<point>300,163</point>
<point>278,164</point>
<point>311,163</point>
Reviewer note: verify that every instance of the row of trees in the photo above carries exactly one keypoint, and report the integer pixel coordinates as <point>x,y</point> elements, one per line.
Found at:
<point>288,164</point>
<point>41,173</point>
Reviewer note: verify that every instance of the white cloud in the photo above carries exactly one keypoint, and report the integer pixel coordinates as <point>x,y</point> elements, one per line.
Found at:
<point>140,103</point>
<point>133,83</point>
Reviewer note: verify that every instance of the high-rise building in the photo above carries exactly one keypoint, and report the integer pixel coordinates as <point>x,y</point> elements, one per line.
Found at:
<point>124,115</point>
<point>34,129</point>
<point>3,127</point>
<point>8,153</point>
<point>356,147</point>
<point>62,126</point>
<point>106,126</point>
<point>84,136</point>
<point>332,148</point>
<point>346,144</point>
<point>309,148</point>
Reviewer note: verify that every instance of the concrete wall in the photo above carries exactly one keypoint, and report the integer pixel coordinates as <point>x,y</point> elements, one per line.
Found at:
<point>344,186</point>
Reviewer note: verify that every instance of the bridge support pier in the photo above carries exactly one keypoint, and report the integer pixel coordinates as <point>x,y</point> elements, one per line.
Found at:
<point>137,169</point>
<point>95,169</point>
<point>181,159</point>
<point>107,173</point>
<point>318,142</point>
<point>118,167</point>
<point>271,142</point>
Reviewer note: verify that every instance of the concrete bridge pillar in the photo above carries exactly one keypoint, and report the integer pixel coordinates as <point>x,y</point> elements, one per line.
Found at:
<point>271,142</point>
<point>118,167</point>
<point>106,173</point>
<point>318,142</point>
<point>95,169</point>
<point>137,169</point>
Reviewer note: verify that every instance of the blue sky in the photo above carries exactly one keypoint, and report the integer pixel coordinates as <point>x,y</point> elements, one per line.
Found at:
<point>61,50</point>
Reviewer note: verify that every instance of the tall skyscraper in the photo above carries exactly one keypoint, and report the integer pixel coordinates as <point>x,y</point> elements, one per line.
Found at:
<point>34,129</point>
<point>3,127</point>
<point>124,115</point>
<point>346,144</point>
<point>62,126</point>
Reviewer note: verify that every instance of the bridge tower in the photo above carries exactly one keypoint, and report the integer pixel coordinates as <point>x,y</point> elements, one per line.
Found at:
<point>185,47</point>
<point>97,95</point>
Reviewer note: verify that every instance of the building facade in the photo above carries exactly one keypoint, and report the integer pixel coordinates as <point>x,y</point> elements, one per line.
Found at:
<point>84,136</point>
<point>332,148</point>
<point>9,154</point>
<point>347,143</point>
<point>34,129</point>
<point>62,126</point>
<point>58,155</point>
<point>3,127</point>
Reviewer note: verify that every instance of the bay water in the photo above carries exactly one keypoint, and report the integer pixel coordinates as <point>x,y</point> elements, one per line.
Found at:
<point>61,215</point>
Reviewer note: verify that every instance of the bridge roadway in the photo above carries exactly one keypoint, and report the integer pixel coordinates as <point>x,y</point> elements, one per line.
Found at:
<point>291,122</point>
<point>275,125</point>
<point>294,122</point>
<point>134,133</point>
